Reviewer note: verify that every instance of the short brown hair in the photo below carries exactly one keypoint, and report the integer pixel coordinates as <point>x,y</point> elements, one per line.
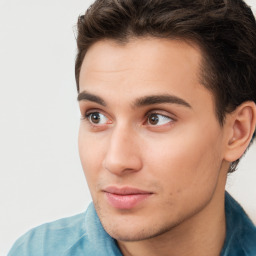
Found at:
<point>225,31</point>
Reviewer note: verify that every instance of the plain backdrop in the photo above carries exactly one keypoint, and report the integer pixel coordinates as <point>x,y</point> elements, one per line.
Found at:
<point>40,174</point>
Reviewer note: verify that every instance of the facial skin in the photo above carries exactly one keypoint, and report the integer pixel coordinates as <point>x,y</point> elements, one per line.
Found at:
<point>173,150</point>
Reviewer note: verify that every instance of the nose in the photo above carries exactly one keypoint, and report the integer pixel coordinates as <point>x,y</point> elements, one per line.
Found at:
<point>123,154</point>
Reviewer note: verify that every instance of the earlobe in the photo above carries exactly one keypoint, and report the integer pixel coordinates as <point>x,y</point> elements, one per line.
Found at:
<point>242,122</point>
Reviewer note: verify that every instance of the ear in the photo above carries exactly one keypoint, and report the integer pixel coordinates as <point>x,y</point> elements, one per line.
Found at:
<point>240,128</point>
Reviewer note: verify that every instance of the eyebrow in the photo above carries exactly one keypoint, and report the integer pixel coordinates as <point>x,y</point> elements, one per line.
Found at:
<point>85,96</point>
<point>140,102</point>
<point>158,99</point>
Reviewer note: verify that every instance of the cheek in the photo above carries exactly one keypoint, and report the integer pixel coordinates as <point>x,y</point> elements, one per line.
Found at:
<point>186,173</point>
<point>185,162</point>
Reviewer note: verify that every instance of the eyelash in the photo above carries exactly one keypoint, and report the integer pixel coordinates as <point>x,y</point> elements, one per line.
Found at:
<point>88,114</point>
<point>150,114</point>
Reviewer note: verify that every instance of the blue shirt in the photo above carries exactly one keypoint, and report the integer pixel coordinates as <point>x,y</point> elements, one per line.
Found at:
<point>83,235</point>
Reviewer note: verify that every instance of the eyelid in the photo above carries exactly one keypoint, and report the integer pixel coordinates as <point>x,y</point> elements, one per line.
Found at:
<point>88,113</point>
<point>162,113</point>
<point>169,119</point>
<point>165,114</point>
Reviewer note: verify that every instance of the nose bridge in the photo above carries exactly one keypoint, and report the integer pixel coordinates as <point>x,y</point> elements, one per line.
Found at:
<point>122,154</point>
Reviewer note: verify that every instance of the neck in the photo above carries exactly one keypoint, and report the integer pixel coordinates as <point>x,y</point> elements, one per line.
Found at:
<point>202,234</point>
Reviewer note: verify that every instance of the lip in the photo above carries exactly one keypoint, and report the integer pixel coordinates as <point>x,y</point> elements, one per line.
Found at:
<point>126,197</point>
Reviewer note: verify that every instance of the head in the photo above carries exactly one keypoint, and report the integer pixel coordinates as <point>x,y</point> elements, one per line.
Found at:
<point>224,30</point>
<point>158,79</point>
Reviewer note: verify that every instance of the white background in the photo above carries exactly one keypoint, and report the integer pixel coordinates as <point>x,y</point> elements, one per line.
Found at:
<point>40,174</point>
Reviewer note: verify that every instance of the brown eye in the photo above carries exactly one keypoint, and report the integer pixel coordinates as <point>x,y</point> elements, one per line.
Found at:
<point>153,119</point>
<point>158,119</point>
<point>97,118</point>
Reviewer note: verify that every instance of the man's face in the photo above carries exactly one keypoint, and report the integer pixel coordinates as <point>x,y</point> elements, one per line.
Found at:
<point>150,144</point>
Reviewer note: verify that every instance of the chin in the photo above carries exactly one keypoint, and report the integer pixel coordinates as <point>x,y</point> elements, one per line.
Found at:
<point>135,232</point>
<point>131,228</point>
<point>126,227</point>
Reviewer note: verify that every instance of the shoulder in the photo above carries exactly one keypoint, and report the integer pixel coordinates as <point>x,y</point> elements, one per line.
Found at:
<point>78,235</point>
<point>241,232</point>
<point>51,238</point>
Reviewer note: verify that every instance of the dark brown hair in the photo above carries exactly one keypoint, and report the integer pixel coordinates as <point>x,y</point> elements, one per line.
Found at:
<point>225,31</point>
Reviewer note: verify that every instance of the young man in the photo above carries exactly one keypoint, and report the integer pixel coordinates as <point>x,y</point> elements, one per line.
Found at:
<point>167,92</point>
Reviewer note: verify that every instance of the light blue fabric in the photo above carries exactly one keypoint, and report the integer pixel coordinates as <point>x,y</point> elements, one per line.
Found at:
<point>241,232</point>
<point>83,235</point>
<point>79,235</point>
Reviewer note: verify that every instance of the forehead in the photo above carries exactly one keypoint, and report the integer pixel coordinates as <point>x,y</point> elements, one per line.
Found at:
<point>142,55</point>
<point>142,67</point>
